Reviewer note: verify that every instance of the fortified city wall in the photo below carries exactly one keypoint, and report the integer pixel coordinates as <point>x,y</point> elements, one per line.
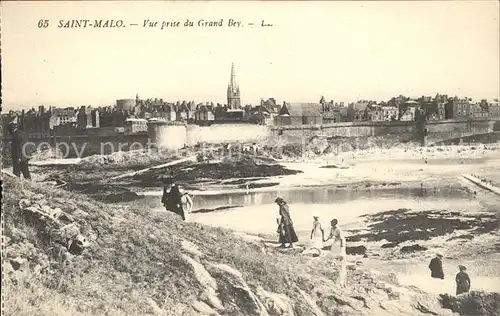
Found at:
<point>177,135</point>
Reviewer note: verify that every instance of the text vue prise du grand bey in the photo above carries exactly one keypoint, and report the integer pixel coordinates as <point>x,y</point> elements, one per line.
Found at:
<point>147,23</point>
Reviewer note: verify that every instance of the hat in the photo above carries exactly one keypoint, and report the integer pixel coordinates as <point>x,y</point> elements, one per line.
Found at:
<point>315,216</point>
<point>439,255</point>
<point>461,267</point>
<point>279,200</point>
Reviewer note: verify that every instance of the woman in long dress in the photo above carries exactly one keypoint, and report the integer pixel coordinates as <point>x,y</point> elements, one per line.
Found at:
<point>317,235</point>
<point>286,224</point>
<point>175,201</point>
<point>338,250</point>
<point>463,281</point>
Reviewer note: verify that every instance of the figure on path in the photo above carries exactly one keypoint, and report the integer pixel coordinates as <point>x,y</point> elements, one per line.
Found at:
<point>317,235</point>
<point>338,249</point>
<point>436,267</point>
<point>20,152</point>
<point>286,224</point>
<point>463,281</point>
<point>172,198</point>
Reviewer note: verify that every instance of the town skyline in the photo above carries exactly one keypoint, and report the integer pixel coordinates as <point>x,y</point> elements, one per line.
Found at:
<point>343,51</point>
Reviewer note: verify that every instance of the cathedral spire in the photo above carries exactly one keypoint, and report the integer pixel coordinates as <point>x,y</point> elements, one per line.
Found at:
<point>233,84</point>
<point>233,91</point>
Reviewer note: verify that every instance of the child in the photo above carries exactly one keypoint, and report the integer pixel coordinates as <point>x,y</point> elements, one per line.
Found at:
<point>317,235</point>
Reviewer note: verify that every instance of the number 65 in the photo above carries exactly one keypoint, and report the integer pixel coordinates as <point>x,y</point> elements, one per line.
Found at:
<point>43,23</point>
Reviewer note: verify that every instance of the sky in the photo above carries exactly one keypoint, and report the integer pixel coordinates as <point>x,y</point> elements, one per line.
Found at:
<point>345,51</point>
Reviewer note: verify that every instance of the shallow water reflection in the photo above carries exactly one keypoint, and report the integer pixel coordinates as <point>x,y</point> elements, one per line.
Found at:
<point>316,195</point>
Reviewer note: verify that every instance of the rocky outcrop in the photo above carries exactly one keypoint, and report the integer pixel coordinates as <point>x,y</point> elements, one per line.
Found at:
<point>412,248</point>
<point>49,226</point>
<point>473,303</point>
<point>356,250</point>
<point>225,292</point>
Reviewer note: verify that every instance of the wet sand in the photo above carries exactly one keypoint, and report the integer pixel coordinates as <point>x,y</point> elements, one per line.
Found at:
<point>484,267</point>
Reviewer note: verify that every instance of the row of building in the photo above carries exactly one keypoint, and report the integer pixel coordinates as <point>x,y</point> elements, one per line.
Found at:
<point>130,116</point>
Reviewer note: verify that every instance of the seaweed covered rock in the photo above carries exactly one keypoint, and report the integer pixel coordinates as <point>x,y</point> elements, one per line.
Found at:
<point>473,303</point>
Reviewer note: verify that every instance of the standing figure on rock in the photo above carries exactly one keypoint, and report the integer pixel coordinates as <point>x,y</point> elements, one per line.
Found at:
<point>286,224</point>
<point>20,153</point>
<point>463,280</point>
<point>436,267</point>
<point>317,235</point>
<point>172,198</point>
<point>338,250</point>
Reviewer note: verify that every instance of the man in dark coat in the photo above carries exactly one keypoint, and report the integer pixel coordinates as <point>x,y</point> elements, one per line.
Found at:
<point>436,267</point>
<point>172,198</point>
<point>286,225</point>
<point>20,152</point>
<point>463,281</point>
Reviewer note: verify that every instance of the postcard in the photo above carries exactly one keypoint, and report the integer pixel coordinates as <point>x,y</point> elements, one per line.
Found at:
<point>250,158</point>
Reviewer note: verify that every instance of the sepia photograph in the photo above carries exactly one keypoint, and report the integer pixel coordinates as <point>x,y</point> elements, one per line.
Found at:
<point>278,158</point>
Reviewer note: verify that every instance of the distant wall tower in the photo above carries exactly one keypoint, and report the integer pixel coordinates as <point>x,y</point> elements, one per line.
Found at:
<point>233,92</point>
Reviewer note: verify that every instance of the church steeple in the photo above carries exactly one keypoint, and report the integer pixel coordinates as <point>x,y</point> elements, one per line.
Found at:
<point>233,91</point>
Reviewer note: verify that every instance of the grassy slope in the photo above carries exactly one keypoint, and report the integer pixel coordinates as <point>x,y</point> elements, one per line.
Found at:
<point>136,257</point>
<point>135,266</point>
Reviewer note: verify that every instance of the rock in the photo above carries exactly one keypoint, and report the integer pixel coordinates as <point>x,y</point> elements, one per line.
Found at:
<point>357,250</point>
<point>17,235</point>
<point>425,309</point>
<point>38,197</point>
<point>65,219</point>
<point>351,267</point>
<point>42,203</point>
<point>210,297</point>
<point>78,245</point>
<point>473,303</point>
<point>80,214</point>
<point>191,249</point>
<point>275,304</point>
<point>389,245</point>
<point>24,203</point>
<point>390,278</point>
<point>204,309</point>
<point>201,274</point>
<point>155,309</point>
<point>391,294</point>
<point>315,309</point>
<point>412,248</point>
<point>57,212</point>
<point>46,209</point>
<point>18,263</point>
<point>234,290</point>
<point>69,231</point>
<point>380,285</point>
<point>28,194</point>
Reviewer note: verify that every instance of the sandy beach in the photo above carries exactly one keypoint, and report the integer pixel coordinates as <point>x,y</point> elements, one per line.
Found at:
<point>442,171</point>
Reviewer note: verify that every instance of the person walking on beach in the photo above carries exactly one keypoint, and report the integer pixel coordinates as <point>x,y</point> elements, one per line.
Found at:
<point>436,267</point>
<point>338,250</point>
<point>286,224</point>
<point>20,153</point>
<point>172,198</point>
<point>317,235</point>
<point>463,281</point>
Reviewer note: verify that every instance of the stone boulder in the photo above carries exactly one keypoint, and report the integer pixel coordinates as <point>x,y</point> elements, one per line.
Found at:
<point>356,250</point>
<point>412,248</point>
<point>235,293</point>
<point>473,303</point>
<point>275,304</point>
